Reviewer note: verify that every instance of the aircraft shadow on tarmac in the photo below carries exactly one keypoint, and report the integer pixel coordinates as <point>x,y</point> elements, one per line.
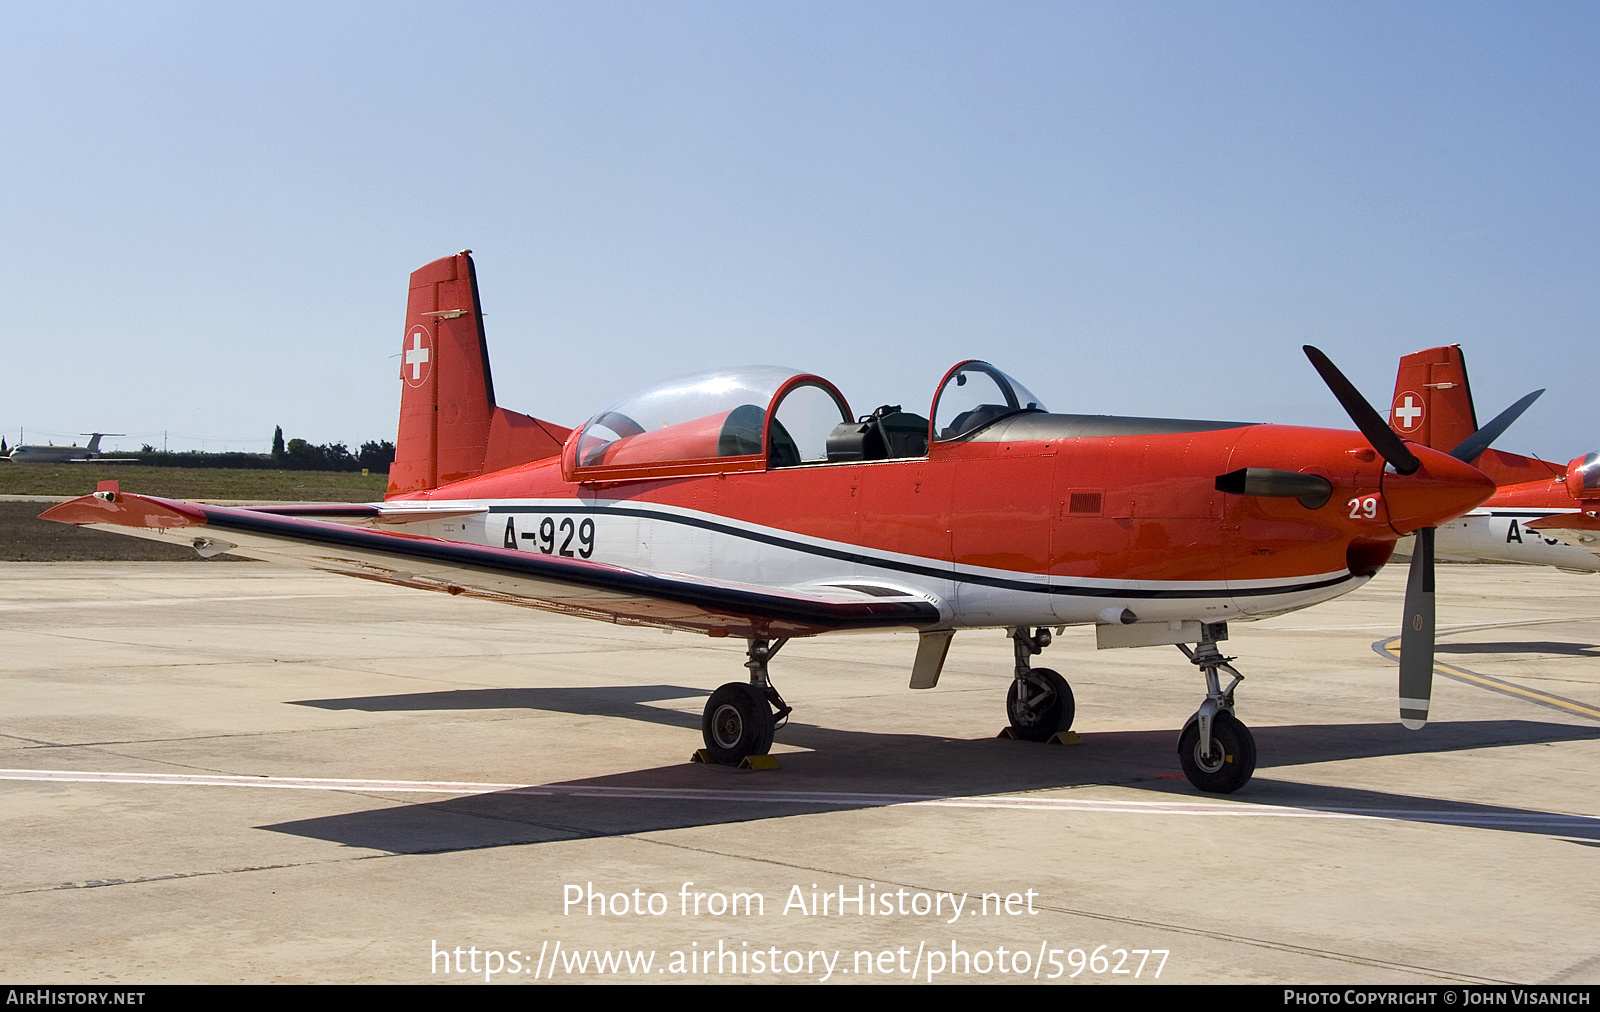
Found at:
<point>1521,647</point>
<point>878,767</point>
<point>592,701</point>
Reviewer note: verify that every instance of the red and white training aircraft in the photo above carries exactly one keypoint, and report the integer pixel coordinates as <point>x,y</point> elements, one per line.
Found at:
<point>755,503</point>
<point>1542,513</point>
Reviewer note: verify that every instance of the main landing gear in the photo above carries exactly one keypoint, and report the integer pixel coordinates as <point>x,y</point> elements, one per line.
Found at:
<point>1039,701</point>
<point>1218,753</point>
<point>741,717</point>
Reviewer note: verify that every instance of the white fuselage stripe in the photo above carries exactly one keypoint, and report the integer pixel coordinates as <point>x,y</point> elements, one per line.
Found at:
<point>921,566</point>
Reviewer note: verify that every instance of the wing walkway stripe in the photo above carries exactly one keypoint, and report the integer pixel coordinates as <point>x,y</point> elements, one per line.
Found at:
<point>1540,820</point>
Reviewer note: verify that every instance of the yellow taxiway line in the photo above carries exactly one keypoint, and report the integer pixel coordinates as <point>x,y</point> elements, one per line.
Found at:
<point>1389,648</point>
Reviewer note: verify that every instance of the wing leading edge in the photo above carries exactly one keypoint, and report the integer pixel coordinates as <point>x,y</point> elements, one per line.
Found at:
<point>551,583</point>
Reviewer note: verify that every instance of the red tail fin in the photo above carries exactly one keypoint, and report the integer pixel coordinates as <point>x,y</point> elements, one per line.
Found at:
<point>1433,406</point>
<point>450,428</point>
<point>1432,400</point>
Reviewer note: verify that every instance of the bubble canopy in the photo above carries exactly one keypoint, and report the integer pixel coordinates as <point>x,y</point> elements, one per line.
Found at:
<point>715,418</point>
<point>750,418</point>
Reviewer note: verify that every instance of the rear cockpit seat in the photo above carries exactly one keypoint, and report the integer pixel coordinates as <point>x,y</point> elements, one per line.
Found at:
<point>886,434</point>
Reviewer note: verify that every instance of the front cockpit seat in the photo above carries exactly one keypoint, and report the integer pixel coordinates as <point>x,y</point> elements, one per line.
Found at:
<point>974,419</point>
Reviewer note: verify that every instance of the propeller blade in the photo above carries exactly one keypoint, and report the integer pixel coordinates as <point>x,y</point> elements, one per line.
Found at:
<point>1312,490</point>
<point>1474,445</point>
<point>1383,439</point>
<point>1416,636</point>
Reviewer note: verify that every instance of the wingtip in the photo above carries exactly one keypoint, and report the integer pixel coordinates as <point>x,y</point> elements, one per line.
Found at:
<point>124,511</point>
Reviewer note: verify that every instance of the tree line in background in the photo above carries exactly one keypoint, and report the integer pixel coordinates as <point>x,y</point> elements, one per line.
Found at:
<point>293,455</point>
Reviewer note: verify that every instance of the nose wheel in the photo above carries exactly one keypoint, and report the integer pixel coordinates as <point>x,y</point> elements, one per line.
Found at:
<point>1227,761</point>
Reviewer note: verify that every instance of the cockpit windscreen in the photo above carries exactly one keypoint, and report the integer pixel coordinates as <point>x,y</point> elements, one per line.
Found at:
<point>975,395</point>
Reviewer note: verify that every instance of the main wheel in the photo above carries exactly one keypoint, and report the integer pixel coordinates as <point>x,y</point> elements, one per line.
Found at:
<point>1047,708</point>
<point>737,723</point>
<point>1232,757</point>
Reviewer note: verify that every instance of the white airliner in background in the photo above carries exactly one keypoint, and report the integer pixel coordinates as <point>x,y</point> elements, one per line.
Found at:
<point>74,454</point>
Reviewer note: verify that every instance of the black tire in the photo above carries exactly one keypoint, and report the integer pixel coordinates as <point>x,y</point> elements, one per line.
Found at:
<point>1233,755</point>
<point>737,723</point>
<point>1048,710</point>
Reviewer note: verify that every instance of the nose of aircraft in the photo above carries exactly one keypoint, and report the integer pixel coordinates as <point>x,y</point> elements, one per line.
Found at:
<point>1441,489</point>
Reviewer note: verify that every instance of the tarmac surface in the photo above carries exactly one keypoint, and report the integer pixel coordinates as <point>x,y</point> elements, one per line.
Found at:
<point>245,774</point>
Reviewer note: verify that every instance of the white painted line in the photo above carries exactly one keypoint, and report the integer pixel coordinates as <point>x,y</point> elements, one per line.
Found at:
<point>1508,818</point>
<point>76,604</point>
<point>286,783</point>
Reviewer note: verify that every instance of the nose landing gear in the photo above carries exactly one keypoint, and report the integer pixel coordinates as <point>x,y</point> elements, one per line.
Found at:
<point>1217,752</point>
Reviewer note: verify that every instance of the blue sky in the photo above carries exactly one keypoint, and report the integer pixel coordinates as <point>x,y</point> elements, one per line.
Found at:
<point>210,210</point>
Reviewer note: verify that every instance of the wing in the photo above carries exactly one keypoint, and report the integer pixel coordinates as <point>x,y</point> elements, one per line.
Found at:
<point>1580,530</point>
<point>553,583</point>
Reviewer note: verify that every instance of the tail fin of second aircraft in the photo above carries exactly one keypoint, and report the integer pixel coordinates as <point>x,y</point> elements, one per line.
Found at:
<point>1433,406</point>
<point>1432,399</point>
<point>450,427</point>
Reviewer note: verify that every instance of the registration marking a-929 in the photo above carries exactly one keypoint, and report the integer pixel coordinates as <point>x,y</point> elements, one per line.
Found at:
<point>553,537</point>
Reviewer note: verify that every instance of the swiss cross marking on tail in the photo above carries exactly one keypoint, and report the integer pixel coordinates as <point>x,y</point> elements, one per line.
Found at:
<point>1407,411</point>
<point>418,356</point>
